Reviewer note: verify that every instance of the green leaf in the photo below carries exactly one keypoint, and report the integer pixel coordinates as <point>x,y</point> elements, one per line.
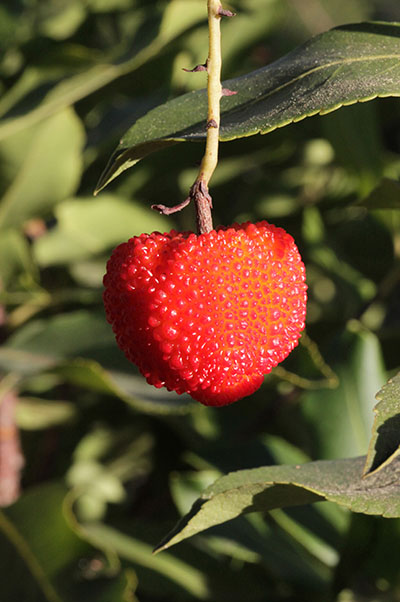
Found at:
<point>385,196</point>
<point>355,136</point>
<point>59,20</point>
<point>16,263</point>
<point>87,226</point>
<point>130,388</point>
<point>50,171</point>
<point>44,559</point>
<point>266,488</point>
<point>341,418</point>
<point>68,344</point>
<point>33,413</point>
<point>80,333</point>
<point>340,67</point>
<point>139,552</point>
<point>165,23</point>
<point>384,447</point>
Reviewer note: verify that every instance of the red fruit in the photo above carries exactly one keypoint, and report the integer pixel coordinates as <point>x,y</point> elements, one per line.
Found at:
<point>207,314</point>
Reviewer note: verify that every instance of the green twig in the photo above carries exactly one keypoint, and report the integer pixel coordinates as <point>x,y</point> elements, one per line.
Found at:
<point>199,191</point>
<point>330,380</point>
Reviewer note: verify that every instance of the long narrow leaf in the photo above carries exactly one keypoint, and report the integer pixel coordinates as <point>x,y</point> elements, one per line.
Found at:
<point>340,67</point>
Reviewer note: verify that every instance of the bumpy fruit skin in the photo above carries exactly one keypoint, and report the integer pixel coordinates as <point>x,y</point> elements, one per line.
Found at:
<point>207,314</point>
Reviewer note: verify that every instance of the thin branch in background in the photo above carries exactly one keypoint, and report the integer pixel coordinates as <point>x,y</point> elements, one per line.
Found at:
<point>11,458</point>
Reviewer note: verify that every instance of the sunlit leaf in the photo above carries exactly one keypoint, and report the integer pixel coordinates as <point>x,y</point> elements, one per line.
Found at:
<point>340,67</point>
<point>262,489</point>
<point>384,446</point>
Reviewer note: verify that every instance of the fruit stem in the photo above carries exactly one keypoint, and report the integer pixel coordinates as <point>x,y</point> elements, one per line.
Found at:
<point>199,191</point>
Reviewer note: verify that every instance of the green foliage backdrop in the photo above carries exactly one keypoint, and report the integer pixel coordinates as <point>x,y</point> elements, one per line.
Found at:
<point>110,465</point>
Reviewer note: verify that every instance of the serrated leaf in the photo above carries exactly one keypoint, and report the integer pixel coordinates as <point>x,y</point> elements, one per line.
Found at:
<point>384,446</point>
<point>340,67</point>
<point>266,488</point>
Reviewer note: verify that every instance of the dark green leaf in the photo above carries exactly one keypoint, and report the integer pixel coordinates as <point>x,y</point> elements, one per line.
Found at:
<point>45,561</point>
<point>263,489</point>
<point>188,573</point>
<point>355,136</point>
<point>128,387</point>
<point>384,196</point>
<point>384,447</point>
<point>340,67</point>
<point>139,552</point>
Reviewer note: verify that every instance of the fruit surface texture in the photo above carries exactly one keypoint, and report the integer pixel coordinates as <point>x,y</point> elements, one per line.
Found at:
<point>207,314</point>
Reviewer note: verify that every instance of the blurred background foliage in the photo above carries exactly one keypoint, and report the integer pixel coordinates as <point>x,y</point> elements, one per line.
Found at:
<point>96,466</point>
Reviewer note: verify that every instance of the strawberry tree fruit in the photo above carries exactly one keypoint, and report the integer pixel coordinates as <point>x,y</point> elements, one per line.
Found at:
<point>207,314</point>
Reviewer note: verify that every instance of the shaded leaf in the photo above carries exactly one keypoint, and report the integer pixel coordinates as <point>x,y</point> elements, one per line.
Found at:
<point>50,170</point>
<point>385,196</point>
<point>25,363</point>
<point>263,489</point>
<point>87,226</point>
<point>340,67</point>
<point>76,346</point>
<point>355,136</point>
<point>341,419</point>
<point>249,538</point>
<point>39,568</point>
<point>188,573</point>
<point>15,259</point>
<point>136,551</point>
<point>34,413</point>
<point>167,23</point>
<point>80,333</point>
<point>384,446</point>
<point>128,387</point>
